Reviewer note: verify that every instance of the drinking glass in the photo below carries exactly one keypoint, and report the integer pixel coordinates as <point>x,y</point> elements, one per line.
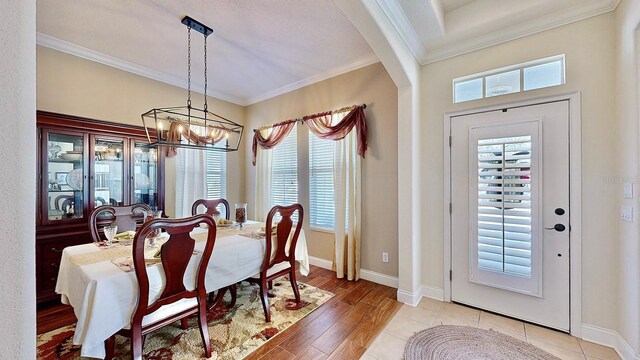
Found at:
<point>241,213</point>
<point>110,232</point>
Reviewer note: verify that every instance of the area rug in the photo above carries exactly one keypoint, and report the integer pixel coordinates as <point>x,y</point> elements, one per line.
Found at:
<point>463,343</point>
<point>234,332</point>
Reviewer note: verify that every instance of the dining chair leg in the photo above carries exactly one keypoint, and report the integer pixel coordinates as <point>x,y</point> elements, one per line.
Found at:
<point>204,327</point>
<point>233,289</point>
<point>109,346</point>
<point>136,342</point>
<point>265,299</point>
<point>294,284</point>
<point>184,322</point>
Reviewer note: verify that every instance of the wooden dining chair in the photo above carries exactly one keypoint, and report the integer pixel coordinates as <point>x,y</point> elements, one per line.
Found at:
<point>276,262</point>
<point>61,201</point>
<point>175,301</point>
<point>211,206</point>
<point>126,218</point>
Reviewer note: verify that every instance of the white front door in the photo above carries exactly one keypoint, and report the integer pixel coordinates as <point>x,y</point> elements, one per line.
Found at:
<point>510,212</point>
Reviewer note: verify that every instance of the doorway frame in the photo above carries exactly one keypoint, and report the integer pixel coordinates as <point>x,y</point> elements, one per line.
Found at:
<point>575,196</point>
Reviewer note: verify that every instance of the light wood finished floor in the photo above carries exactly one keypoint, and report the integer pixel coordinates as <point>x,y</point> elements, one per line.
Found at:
<point>342,328</point>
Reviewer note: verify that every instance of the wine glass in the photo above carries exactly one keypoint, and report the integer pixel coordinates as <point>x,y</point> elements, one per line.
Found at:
<point>110,232</point>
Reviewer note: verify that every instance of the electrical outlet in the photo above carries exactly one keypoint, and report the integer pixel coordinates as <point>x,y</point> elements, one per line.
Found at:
<point>385,257</point>
<point>626,213</point>
<point>628,190</point>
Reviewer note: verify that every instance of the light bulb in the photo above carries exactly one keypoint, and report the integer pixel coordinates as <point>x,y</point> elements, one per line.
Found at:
<point>159,126</point>
<point>226,135</point>
<point>179,128</point>
<point>213,134</point>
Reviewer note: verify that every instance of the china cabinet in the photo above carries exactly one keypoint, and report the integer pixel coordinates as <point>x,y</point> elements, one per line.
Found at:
<point>82,164</point>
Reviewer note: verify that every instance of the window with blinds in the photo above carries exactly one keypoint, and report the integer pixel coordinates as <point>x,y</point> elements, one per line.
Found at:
<point>321,183</point>
<point>216,176</point>
<point>504,205</point>
<point>284,171</point>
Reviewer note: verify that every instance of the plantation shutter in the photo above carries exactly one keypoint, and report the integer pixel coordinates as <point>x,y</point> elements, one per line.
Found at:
<point>216,177</point>
<point>321,182</point>
<point>504,205</point>
<point>284,171</point>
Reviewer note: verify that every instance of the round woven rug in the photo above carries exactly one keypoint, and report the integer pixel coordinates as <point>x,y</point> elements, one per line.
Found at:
<point>462,342</point>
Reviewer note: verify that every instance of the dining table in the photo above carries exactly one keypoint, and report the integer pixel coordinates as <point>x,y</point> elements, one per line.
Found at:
<point>99,283</point>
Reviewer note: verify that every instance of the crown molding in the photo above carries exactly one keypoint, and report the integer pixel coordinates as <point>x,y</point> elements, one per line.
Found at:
<point>360,63</point>
<point>396,15</point>
<point>82,52</point>
<point>541,24</point>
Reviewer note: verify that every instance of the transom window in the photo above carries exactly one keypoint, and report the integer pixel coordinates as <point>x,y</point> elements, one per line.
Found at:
<point>536,74</point>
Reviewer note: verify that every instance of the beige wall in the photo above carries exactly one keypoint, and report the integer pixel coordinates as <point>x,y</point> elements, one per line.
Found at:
<point>370,85</point>
<point>18,162</point>
<point>71,85</point>
<point>627,99</point>
<point>589,49</point>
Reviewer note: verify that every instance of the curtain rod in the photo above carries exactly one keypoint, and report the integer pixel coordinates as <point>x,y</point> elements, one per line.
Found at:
<point>302,120</point>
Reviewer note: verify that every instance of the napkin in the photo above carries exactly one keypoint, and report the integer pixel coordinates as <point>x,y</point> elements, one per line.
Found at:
<point>127,235</point>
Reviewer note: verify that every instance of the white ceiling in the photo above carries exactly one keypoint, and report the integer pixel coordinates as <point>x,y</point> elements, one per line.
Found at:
<point>258,48</point>
<point>261,49</point>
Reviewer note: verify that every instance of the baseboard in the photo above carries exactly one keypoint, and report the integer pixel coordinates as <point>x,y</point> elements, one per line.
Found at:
<point>611,338</point>
<point>379,278</point>
<point>432,292</point>
<point>368,275</point>
<point>409,298</point>
<point>320,262</point>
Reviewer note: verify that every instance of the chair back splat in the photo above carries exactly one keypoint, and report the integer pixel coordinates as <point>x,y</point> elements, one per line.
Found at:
<point>211,206</point>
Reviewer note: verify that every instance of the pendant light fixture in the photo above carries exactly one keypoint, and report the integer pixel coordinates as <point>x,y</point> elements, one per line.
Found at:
<point>188,126</point>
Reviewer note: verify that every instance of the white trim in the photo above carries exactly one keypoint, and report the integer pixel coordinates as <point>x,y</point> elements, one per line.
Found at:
<point>320,262</point>
<point>520,30</point>
<point>82,52</point>
<point>610,338</point>
<point>376,277</point>
<point>432,292</point>
<point>411,299</point>
<point>575,196</point>
<point>360,63</point>
<point>396,15</point>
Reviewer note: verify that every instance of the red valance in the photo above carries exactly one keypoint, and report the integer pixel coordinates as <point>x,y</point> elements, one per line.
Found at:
<point>319,125</point>
<point>174,135</point>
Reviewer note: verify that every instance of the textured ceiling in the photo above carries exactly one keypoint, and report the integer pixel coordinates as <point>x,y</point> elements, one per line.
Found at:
<point>257,47</point>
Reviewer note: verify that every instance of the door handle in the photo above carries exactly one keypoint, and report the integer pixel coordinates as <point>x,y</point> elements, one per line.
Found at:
<point>558,228</point>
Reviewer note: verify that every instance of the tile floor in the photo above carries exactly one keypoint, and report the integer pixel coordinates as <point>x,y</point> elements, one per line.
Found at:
<point>390,343</point>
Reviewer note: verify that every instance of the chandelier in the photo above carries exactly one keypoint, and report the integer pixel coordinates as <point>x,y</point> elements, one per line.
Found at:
<point>188,126</point>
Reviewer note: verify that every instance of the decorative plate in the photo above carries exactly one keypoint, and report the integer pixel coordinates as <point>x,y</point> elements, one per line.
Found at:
<point>75,179</point>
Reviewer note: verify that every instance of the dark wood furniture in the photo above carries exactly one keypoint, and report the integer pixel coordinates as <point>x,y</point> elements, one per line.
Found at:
<point>211,206</point>
<point>280,263</point>
<point>175,254</point>
<point>126,218</point>
<point>77,166</point>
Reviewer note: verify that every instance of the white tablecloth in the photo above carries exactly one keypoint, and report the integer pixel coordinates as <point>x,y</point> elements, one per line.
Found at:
<point>104,297</point>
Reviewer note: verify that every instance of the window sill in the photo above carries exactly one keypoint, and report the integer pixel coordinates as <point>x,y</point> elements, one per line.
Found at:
<point>318,229</point>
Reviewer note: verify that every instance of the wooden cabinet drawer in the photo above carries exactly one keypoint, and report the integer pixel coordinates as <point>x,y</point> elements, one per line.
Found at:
<point>48,255</point>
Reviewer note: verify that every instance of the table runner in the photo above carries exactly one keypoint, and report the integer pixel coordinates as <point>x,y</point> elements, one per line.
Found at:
<point>118,251</point>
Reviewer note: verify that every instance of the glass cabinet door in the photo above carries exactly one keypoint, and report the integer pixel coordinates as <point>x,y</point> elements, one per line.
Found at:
<point>108,185</point>
<point>145,171</point>
<point>65,171</point>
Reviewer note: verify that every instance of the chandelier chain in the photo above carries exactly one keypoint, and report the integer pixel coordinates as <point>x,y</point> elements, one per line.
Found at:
<point>189,66</point>
<point>205,74</point>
